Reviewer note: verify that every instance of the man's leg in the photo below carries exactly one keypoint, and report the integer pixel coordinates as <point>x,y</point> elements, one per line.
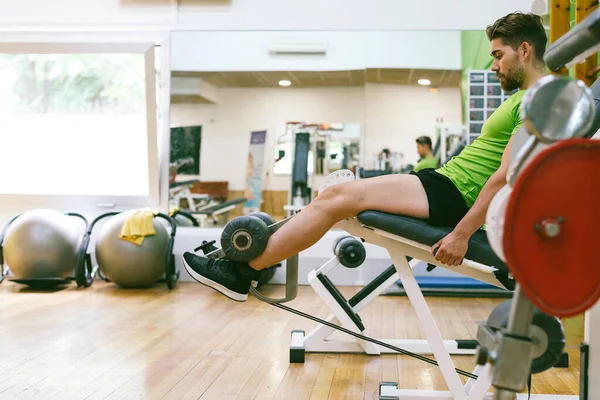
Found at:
<point>397,194</point>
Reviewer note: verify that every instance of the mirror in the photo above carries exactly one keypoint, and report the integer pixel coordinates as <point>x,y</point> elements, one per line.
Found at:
<point>333,146</point>
<point>413,91</point>
<point>273,113</point>
<point>258,119</point>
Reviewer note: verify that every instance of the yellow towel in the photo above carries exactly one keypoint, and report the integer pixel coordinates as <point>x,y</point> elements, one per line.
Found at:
<point>173,210</point>
<point>137,226</point>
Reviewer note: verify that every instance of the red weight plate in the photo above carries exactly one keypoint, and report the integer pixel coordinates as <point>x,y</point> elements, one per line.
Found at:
<point>561,274</point>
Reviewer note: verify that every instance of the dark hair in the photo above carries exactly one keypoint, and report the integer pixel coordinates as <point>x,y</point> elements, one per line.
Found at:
<point>424,140</point>
<point>516,28</point>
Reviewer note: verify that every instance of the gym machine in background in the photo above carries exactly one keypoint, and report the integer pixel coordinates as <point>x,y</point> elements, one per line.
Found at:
<point>201,209</point>
<point>300,192</point>
<point>452,140</point>
<point>317,150</point>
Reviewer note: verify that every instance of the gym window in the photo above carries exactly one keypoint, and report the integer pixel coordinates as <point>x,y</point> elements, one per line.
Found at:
<point>78,122</point>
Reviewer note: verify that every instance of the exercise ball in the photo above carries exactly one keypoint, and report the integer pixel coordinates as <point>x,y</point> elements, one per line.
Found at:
<point>182,220</point>
<point>41,244</point>
<point>127,264</point>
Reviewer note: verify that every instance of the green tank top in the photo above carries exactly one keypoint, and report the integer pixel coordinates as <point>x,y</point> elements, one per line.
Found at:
<point>471,169</point>
<point>427,162</point>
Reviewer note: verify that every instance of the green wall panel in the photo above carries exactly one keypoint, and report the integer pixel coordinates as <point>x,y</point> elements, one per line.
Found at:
<point>475,49</point>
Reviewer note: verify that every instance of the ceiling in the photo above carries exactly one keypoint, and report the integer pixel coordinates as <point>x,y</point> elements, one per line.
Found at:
<point>189,99</point>
<point>438,78</point>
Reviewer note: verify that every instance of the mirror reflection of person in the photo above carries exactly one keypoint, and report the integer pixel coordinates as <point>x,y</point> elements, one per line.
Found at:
<point>384,158</point>
<point>427,160</point>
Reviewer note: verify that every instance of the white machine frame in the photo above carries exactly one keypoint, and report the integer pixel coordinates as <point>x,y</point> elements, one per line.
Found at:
<point>344,313</point>
<point>176,194</point>
<point>204,218</point>
<point>445,131</point>
<point>474,389</point>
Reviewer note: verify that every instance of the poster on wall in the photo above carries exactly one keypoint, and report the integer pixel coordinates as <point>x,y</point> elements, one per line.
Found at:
<point>185,150</point>
<point>254,172</point>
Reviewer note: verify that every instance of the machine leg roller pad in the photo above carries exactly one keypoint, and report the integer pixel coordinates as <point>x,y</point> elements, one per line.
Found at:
<point>297,347</point>
<point>387,390</point>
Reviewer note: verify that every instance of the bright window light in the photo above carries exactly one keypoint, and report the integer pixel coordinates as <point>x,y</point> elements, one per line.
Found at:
<point>424,82</point>
<point>284,82</point>
<point>74,124</point>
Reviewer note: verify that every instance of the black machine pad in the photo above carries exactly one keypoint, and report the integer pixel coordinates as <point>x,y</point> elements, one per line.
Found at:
<point>421,232</point>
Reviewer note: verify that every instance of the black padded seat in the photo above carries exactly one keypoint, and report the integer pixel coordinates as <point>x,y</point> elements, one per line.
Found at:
<point>421,232</point>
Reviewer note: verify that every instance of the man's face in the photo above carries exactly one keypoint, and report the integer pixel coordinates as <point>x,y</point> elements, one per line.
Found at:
<point>421,150</point>
<point>507,65</point>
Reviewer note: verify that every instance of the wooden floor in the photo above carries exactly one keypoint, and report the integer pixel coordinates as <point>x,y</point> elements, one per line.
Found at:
<point>191,343</point>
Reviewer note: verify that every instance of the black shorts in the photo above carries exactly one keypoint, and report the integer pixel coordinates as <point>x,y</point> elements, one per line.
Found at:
<point>446,205</point>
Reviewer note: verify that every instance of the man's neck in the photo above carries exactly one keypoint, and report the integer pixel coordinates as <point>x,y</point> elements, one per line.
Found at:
<point>428,154</point>
<point>532,78</point>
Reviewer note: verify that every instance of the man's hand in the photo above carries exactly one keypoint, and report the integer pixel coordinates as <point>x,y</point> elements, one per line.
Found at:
<point>451,249</point>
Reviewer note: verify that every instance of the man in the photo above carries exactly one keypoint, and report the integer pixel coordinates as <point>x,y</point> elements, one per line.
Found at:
<point>457,194</point>
<point>427,159</point>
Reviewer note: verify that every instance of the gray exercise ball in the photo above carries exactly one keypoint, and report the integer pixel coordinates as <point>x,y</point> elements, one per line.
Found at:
<point>41,244</point>
<point>127,264</point>
<point>182,220</point>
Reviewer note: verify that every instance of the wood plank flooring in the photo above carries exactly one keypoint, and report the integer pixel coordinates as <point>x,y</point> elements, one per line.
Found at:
<point>105,342</point>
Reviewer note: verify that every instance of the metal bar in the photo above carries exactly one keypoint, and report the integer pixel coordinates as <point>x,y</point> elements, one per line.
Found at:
<point>576,45</point>
<point>586,71</point>
<point>560,18</point>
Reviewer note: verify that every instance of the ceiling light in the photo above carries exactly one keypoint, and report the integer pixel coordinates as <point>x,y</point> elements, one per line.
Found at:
<point>284,82</point>
<point>424,82</point>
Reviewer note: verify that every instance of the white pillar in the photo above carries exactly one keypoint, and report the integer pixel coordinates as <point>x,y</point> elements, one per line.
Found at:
<point>592,338</point>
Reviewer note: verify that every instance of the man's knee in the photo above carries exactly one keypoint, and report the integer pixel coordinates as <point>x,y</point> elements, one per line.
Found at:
<point>327,197</point>
<point>334,194</point>
<point>337,200</point>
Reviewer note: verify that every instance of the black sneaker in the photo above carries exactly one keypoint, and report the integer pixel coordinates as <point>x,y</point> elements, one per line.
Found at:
<point>228,277</point>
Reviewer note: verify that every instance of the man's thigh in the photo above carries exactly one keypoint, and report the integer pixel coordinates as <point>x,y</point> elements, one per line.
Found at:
<point>395,194</point>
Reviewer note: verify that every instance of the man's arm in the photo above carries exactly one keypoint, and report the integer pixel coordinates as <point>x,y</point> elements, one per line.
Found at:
<point>452,248</point>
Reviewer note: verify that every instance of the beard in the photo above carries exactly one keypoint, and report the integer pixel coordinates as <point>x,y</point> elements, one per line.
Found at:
<point>513,78</point>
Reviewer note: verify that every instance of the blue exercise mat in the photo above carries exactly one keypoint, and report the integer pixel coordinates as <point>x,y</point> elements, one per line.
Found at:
<point>439,282</point>
<point>439,286</point>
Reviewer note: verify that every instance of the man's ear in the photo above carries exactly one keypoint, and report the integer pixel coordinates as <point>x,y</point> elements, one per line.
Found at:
<point>525,50</point>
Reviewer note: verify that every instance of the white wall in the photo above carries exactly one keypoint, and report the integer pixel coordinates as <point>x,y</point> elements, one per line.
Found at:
<point>249,51</point>
<point>226,126</point>
<point>87,13</point>
<point>344,50</point>
<point>351,14</point>
<point>397,115</point>
<point>262,14</point>
<point>431,49</point>
<point>391,116</point>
